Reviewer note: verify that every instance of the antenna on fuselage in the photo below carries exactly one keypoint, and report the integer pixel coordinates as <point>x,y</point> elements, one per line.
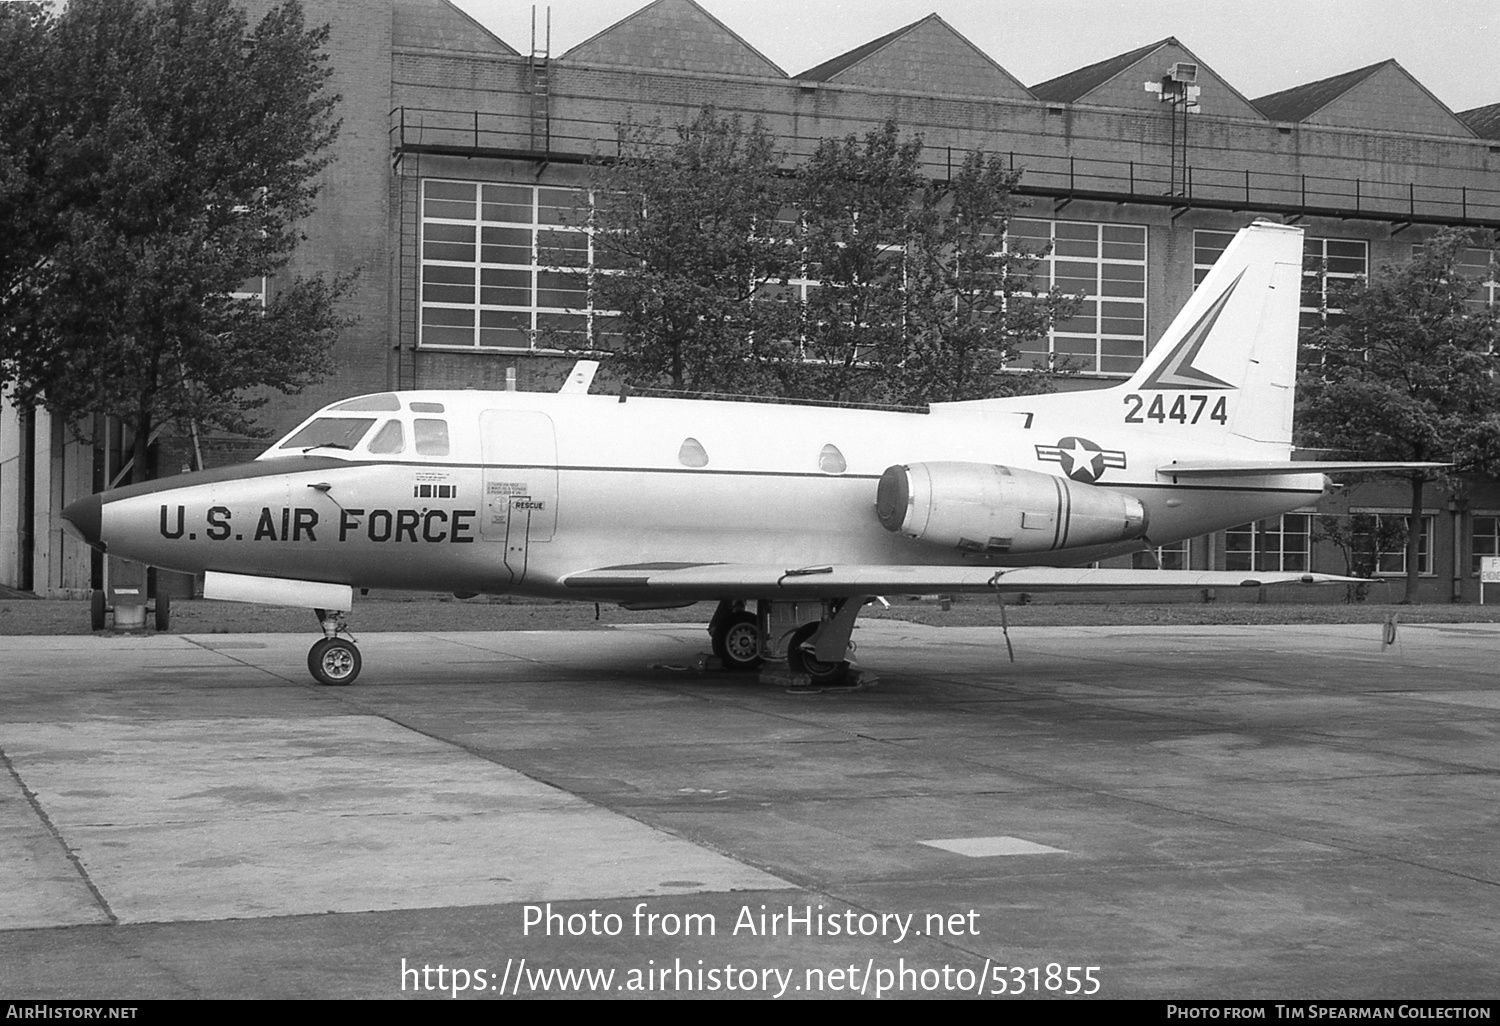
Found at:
<point>580,378</point>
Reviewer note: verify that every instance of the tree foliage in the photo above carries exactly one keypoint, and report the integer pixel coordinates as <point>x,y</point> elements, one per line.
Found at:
<point>1408,373</point>
<point>974,296</point>
<point>920,297</point>
<point>861,214</point>
<point>853,279</point>
<point>181,148</point>
<point>687,250</point>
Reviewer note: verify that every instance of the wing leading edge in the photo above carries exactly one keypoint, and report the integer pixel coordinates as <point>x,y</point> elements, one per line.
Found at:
<point>720,580</point>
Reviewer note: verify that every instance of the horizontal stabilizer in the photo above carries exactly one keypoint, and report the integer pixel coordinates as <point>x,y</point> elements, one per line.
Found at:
<point>717,580</point>
<point>1246,468</point>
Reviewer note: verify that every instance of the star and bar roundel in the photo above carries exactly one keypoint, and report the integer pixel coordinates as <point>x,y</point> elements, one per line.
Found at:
<point>1081,459</point>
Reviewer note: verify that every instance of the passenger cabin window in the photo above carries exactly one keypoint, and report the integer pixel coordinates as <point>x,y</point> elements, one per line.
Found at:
<point>331,432</point>
<point>431,436</point>
<point>831,461</point>
<point>386,402</point>
<point>692,453</point>
<point>389,440</point>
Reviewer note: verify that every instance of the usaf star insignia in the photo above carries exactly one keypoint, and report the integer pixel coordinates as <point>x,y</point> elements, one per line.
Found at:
<point>1081,459</point>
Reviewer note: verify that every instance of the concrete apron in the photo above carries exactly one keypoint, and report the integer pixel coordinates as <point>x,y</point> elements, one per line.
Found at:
<point>234,817</point>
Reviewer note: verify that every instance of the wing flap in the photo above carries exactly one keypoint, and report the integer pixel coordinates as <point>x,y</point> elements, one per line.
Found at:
<point>722,580</point>
<point>1232,468</point>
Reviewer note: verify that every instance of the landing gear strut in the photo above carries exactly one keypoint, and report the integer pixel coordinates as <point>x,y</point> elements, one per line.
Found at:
<point>808,639</point>
<point>802,657</point>
<point>333,660</point>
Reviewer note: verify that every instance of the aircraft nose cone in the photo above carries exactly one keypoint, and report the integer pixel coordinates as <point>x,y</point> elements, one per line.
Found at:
<point>84,518</point>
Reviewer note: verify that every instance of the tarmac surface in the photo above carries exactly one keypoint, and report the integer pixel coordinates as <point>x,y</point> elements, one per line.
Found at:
<point>1214,812</point>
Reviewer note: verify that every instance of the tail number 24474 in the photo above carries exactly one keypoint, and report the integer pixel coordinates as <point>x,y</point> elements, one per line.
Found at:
<point>1185,409</point>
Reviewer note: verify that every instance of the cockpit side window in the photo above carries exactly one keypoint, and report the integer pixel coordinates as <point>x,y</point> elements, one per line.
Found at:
<point>431,436</point>
<point>385,402</point>
<point>332,432</point>
<point>389,440</point>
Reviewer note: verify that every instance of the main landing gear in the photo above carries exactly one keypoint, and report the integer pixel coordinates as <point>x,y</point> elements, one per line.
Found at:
<point>791,642</point>
<point>333,660</point>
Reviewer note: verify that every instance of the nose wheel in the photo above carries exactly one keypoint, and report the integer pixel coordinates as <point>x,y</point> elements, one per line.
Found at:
<point>333,660</point>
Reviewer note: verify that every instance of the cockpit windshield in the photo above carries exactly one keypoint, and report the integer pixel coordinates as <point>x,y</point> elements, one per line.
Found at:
<point>330,432</point>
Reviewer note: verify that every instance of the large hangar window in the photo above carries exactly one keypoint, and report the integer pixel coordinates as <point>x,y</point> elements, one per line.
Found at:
<point>1326,263</point>
<point>1483,266</point>
<point>1106,263</point>
<point>1378,542</point>
<point>1174,556</point>
<point>1281,543</point>
<point>503,266</point>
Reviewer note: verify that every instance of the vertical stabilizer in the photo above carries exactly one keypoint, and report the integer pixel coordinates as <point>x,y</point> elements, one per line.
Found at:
<point>1235,342</point>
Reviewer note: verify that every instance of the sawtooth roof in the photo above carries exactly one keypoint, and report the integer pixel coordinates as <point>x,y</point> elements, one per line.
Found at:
<point>1301,102</point>
<point>678,34</point>
<point>1484,121</point>
<point>844,61</point>
<point>929,54</point>
<point>1075,84</point>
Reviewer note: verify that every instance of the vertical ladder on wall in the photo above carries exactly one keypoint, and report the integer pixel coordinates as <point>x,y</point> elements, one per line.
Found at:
<point>538,67</point>
<point>409,261</point>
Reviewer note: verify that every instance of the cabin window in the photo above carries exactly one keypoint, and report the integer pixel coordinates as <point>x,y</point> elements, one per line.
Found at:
<point>389,440</point>
<point>431,436</point>
<point>331,432</point>
<point>386,402</point>
<point>692,453</point>
<point>831,461</point>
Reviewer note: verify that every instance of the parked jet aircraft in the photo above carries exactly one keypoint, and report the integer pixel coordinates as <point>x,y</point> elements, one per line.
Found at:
<point>791,517</point>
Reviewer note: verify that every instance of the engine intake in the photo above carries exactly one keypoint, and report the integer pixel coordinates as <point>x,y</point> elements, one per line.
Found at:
<point>977,507</point>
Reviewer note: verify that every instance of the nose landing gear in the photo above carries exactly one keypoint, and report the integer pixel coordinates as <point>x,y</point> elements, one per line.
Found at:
<point>333,660</point>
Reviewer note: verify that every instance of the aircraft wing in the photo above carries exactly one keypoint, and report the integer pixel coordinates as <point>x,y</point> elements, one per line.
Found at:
<point>720,580</point>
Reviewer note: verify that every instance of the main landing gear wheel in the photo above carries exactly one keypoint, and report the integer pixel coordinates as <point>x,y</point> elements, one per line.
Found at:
<point>737,642</point>
<point>802,658</point>
<point>334,661</point>
<point>163,609</point>
<point>97,610</point>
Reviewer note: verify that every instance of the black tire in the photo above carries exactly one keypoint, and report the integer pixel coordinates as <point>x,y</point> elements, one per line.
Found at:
<point>98,611</point>
<point>163,609</point>
<point>802,660</point>
<point>334,662</point>
<point>737,642</point>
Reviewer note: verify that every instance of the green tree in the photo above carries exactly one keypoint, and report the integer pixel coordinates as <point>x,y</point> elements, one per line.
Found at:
<point>860,202</point>
<point>27,122</point>
<point>919,297</point>
<point>182,148</point>
<point>1408,373</point>
<point>690,256</point>
<point>972,295</point>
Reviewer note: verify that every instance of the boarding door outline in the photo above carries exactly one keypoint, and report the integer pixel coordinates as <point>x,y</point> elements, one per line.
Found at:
<point>519,450</point>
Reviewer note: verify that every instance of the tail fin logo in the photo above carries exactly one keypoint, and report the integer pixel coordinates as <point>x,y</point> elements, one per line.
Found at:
<point>1177,370</point>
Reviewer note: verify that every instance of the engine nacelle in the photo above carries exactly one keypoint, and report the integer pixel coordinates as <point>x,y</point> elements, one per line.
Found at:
<point>981,508</point>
